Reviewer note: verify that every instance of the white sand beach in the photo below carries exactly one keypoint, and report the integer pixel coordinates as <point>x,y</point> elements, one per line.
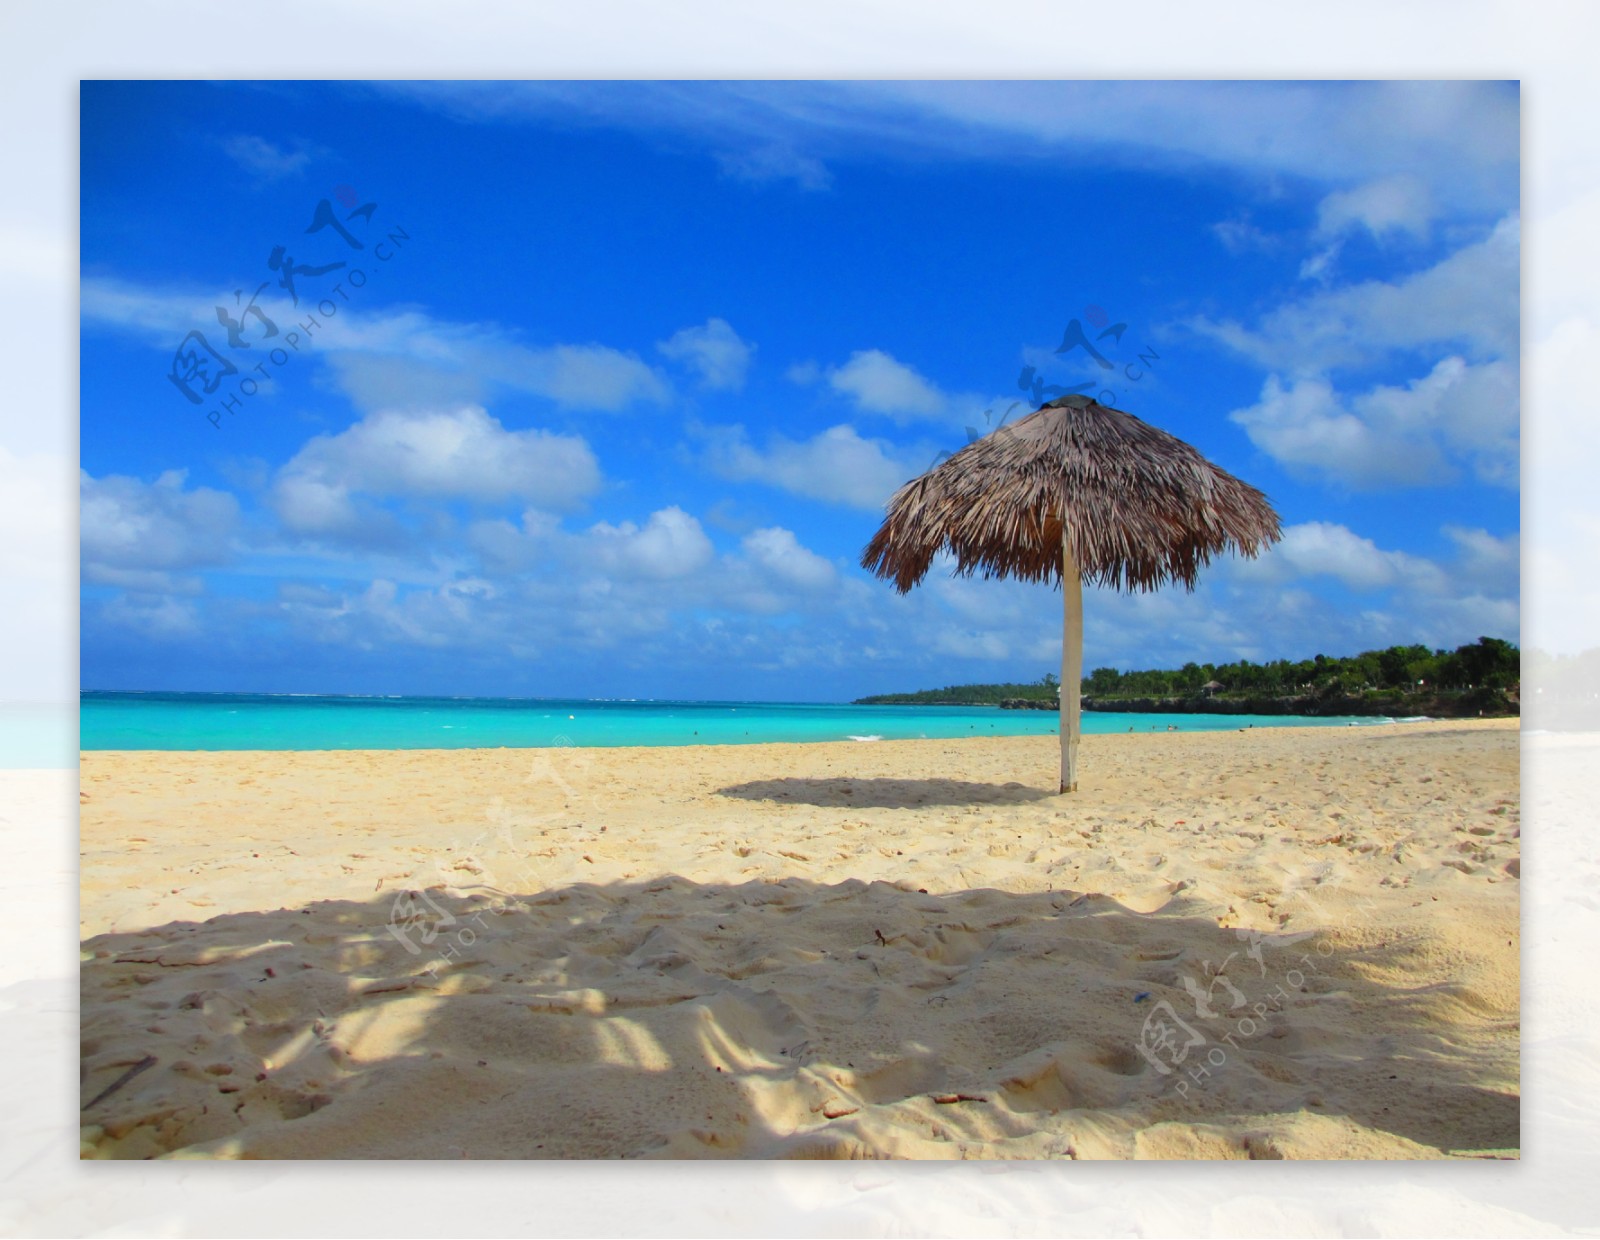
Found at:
<point>1280,943</point>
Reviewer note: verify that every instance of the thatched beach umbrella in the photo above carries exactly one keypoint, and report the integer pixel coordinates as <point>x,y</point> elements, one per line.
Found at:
<point>1073,492</point>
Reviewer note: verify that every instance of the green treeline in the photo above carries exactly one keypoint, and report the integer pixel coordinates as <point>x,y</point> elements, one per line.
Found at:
<point>1487,663</point>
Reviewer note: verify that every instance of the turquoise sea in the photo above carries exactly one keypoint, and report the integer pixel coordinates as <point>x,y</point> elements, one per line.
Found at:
<point>282,721</point>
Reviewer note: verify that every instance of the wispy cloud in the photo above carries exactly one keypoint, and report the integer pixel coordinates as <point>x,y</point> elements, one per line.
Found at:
<point>1240,234</point>
<point>878,383</point>
<point>1413,434</point>
<point>638,588</point>
<point>1398,204</point>
<point>406,359</point>
<point>776,163</point>
<point>1460,139</point>
<point>1470,299</point>
<point>1328,549</point>
<point>402,357</point>
<point>136,534</point>
<point>1404,597</point>
<point>1459,318</point>
<point>837,466</point>
<point>654,590</point>
<point>266,160</point>
<point>714,352</point>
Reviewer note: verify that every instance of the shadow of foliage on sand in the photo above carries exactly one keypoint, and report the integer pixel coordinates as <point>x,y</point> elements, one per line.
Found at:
<point>767,1019</point>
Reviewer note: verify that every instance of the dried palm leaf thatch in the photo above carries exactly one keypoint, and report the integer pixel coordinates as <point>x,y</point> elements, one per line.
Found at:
<point>1137,507</point>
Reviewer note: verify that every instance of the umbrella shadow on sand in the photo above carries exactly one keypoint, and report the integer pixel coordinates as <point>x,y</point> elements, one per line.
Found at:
<point>786,1018</point>
<point>883,793</point>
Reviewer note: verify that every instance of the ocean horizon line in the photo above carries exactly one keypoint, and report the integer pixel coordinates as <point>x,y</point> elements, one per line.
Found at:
<point>179,720</point>
<point>484,697</point>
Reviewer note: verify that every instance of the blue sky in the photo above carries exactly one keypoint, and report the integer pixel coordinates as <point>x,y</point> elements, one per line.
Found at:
<point>622,405</point>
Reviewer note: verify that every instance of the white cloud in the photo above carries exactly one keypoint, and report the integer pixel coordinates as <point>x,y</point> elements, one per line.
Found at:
<point>451,454</point>
<point>1326,549</point>
<point>779,552</point>
<point>462,614</point>
<point>1272,606</point>
<point>1463,136</point>
<point>1384,208</point>
<point>1266,608</point>
<point>160,617</point>
<point>1319,266</point>
<point>314,507</point>
<point>134,533</point>
<point>1398,204</point>
<point>161,315</point>
<point>1469,301</point>
<point>775,162</point>
<point>651,574</point>
<point>461,453</point>
<point>1239,234</point>
<point>970,644</point>
<point>714,351</point>
<point>582,376</point>
<point>1408,598</point>
<point>390,359</point>
<point>838,465</point>
<point>508,548</point>
<point>1304,426</point>
<point>637,590</point>
<point>1394,435</point>
<point>405,358</point>
<point>880,384</point>
<point>267,161</point>
<point>1462,139</point>
<point>670,544</point>
<point>651,594</point>
<point>1484,562</point>
<point>980,602</point>
<point>389,381</point>
<point>1475,411</point>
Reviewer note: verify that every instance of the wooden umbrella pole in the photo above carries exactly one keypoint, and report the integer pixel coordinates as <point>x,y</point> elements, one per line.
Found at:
<point>1071,665</point>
